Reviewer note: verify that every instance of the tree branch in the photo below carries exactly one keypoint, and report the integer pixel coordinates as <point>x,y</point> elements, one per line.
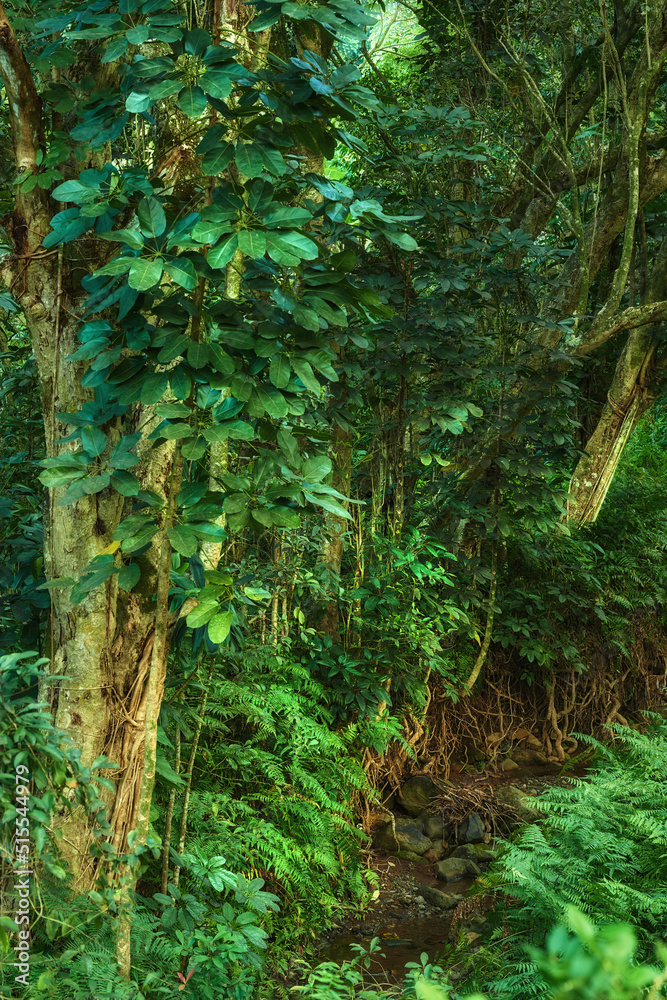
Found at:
<point>634,316</point>
<point>25,106</point>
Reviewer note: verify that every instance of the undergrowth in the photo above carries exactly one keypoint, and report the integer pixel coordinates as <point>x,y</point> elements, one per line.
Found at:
<point>602,847</point>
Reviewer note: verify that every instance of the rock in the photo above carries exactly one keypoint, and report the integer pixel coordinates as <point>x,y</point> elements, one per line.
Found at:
<point>415,858</point>
<point>509,764</point>
<point>533,742</point>
<point>417,794</point>
<point>520,734</point>
<point>419,899</point>
<point>479,853</point>
<point>435,853</point>
<point>433,825</point>
<point>443,900</point>
<point>471,829</point>
<point>455,869</point>
<point>522,803</point>
<point>409,836</point>
<point>526,755</point>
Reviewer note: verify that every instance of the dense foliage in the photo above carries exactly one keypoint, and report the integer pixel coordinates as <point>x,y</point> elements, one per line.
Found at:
<point>332,437</point>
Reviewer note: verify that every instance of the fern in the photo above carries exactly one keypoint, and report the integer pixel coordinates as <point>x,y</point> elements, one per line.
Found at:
<point>602,848</point>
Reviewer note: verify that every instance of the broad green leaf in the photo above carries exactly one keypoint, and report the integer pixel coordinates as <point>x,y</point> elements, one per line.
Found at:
<point>164,88</point>
<point>197,354</point>
<point>93,440</point>
<point>262,516</point>
<point>144,273</point>
<point>116,48</point>
<point>221,254</point>
<point>182,539</point>
<point>285,216</point>
<point>327,504</point>
<point>154,387</point>
<point>125,483</point>
<point>219,626</point>
<point>152,220</point>
<point>182,271</point>
<point>285,517</point>
<point>252,243</point>
<point>210,232</point>
<point>202,613</point>
<point>279,370</point>
<point>217,83</point>
<point>192,101</point>
<point>129,576</point>
<point>193,448</point>
<point>138,101</point>
<point>119,265</point>
<point>59,476</point>
<point>306,374</point>
<point>131,237</point>
<point>316,468</point>
<point>220,360</point>
<point>174,432</point>
<point>217,159</point>
<point>248,159</point>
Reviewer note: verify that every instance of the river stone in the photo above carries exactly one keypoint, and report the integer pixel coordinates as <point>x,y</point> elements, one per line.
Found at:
<point>480,853</point>
<point>411,856</point>
<point>410,837</point>
<point>455,869</point>
<point>471,829</point>
<point>443,900</point>
<point>526,755</point>
<point>432,825</point>
<point>523,804</point>
<point>417,794</point>
<point>509,765</point>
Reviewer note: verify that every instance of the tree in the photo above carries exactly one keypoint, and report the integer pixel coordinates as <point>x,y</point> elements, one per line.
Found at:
<point>180,283</point>
<point>586,163</point>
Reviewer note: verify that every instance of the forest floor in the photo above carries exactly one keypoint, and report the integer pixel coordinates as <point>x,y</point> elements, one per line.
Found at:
<point>401,916</point>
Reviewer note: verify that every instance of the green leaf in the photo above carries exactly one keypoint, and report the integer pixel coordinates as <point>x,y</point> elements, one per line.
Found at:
<point>129,576</point>
<point>220,360</point>
<point>93,440</point>
<point>58,476</point>
<point>197,354</point>
<point>202,613</point>
<point>116,48</point>
<point>182,271</point>
<point>125,483</point>
<point>144,273</point>
<point>279,370</point>
<point>285,517</point>
<point>152,220</point>
<point>285,216</point>
<point>131,237</point>
<point>182,539</point>
<point>248,159</point>
<point>217,83</point>
<point>210,232</point>
<point>327,504</point>
<point>221,254</point>
<point>306,374</point>
<point>174,432</point>
<point>192,101</point>
<point>219,626</point>
<point>252,243</point>
<point>154,388</point>
<point>138,101</point>
<point>316,468</point>
<point>193,448</point>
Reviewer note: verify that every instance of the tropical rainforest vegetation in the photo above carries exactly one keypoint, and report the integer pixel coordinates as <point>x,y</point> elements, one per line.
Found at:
<point>332,449</point>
